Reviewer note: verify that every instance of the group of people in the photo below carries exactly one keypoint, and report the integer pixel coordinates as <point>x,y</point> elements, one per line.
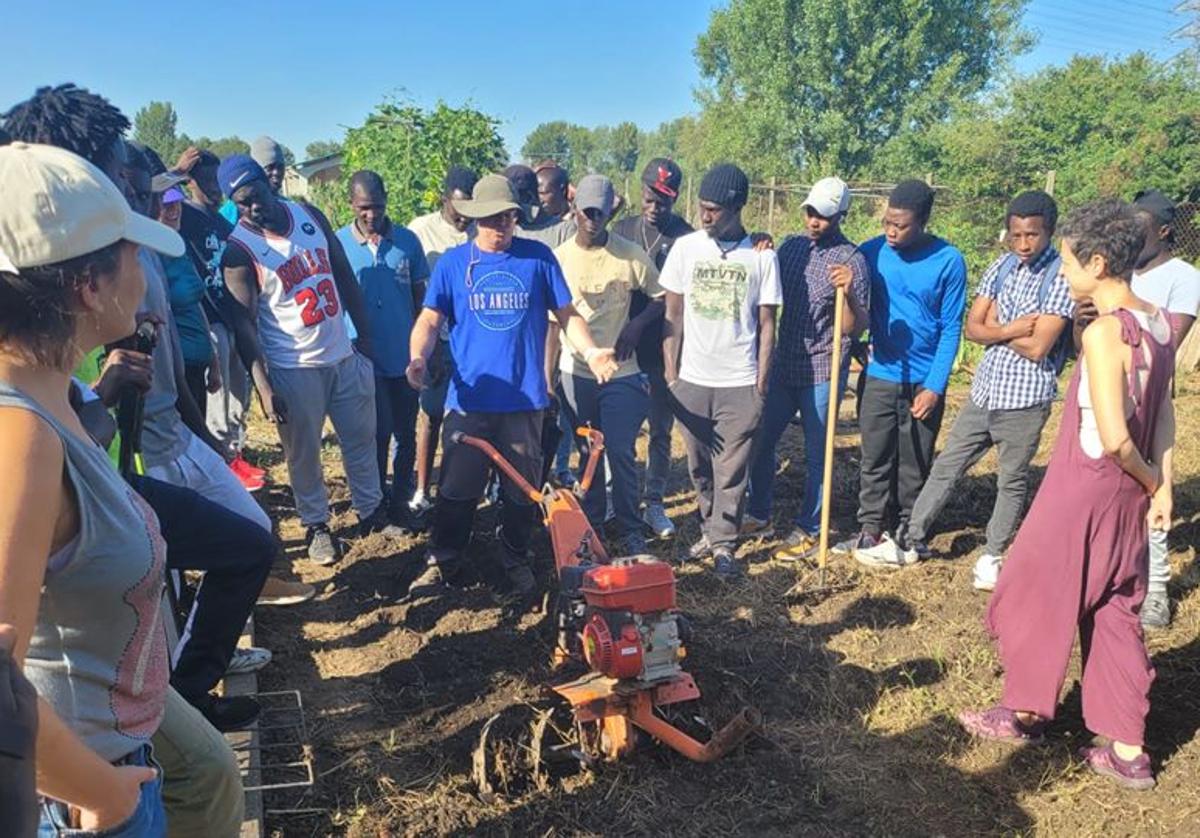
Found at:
<point>514,311</point>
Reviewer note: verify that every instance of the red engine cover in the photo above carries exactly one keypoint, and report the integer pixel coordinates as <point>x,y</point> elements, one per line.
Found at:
<point>638,585</point>
<point>610,650</point>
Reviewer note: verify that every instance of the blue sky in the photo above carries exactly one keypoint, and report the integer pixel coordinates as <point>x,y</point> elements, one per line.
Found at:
<point>303,70</point>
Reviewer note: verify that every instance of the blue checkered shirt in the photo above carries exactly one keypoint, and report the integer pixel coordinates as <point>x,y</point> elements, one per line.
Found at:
<point>1005,379</point>
<point>803,353</point>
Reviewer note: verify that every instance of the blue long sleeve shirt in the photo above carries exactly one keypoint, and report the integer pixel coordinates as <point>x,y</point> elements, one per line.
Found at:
<point>917,302</point>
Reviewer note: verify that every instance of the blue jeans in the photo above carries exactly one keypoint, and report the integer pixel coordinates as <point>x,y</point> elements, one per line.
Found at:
<point>783,401</point>
<point>618,410</point>
<point>149,819</point>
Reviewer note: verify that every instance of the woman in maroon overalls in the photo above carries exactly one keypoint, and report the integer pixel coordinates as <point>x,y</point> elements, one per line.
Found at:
<point>1080,558</point>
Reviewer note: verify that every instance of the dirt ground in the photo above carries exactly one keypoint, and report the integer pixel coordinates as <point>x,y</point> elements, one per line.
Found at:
<point>859,691</point>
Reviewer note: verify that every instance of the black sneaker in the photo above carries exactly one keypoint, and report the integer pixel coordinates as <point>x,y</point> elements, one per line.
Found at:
<point>727,566</point>
<point>522,594</point>
<point>323,547</point>
<point>408,521</point>
<point>227,713</point>
<point>377,522</point>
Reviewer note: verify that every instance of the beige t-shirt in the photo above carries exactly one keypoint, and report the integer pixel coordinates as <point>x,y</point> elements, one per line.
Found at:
<point>602,281</point>
<point>436,234</point>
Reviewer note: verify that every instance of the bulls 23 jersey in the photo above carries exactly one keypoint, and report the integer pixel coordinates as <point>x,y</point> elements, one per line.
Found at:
<point>300,317</point>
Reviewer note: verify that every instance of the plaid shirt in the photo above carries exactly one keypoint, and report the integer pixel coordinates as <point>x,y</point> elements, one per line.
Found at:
<point>803,354</point>
<point>1007,380</point>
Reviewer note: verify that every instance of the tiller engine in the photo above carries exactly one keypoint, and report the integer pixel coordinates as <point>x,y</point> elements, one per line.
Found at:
<point>618,618</point>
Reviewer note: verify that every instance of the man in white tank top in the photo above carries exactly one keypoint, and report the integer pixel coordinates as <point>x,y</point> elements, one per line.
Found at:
<point>289,272</point>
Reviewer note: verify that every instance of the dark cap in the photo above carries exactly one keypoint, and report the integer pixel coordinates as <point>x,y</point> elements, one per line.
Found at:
<point>522,178</point>
<point>663,176</point>
<point>1157,204</point>
<point>725,184</point>
<point>459,179</point>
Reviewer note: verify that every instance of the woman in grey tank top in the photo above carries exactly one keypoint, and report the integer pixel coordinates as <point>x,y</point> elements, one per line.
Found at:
<point>81,557</point>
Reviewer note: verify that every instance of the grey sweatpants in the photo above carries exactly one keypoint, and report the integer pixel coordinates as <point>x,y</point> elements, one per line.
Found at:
<point>227,408</point>
<point>345,392</point>
<point>1016,434</point>
<point>718,430</point>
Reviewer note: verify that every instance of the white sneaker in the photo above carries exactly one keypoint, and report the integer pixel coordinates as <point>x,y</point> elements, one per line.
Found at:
<point>247,660</point>
<point>420,503</point>
<point>882,553</point>
<point>987,570</point>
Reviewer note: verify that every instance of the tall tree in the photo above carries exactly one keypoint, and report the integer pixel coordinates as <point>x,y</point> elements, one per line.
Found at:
<point>322,148</point>
<point>551,141</point>
<point>413,147</point>
<point>155,126</point>
<point>818,85</point>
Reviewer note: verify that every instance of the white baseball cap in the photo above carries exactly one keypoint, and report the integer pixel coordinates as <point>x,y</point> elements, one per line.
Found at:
<point>828,197</point>
<point>56,206</point>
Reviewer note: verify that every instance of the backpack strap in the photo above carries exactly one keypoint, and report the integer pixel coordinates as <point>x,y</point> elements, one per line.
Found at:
<point>1007,266</point>
<point>1050,274</point>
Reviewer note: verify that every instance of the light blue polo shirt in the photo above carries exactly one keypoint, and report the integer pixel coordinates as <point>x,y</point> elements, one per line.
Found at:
<point>386,273</point>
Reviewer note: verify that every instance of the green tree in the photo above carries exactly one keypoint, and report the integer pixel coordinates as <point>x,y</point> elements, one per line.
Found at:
<point>222,147</point>
<point>412,148</point>
<point>817,86</point>
<point>549,141</point>
<point>155,126</point>
<point>322,148</point>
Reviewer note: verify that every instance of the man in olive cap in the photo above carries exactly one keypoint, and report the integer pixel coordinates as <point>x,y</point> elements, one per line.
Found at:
<point>494,292</point>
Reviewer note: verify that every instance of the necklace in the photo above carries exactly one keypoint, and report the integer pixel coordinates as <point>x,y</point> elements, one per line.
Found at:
<point>725,251</point>
<point>649,246</point>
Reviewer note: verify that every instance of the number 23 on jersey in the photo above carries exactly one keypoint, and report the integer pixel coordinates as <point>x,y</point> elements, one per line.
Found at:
<point>318,303</point>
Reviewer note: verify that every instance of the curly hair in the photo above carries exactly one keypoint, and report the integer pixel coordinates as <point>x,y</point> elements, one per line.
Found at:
<point>37,315</point>
<point>1108,228</point>
<point>69,117</point>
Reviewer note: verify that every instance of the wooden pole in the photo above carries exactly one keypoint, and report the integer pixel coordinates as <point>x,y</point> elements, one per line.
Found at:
<point>687,210</point>
<point>839,304</point>
<point>771,207</point>
<point>1050,178</point>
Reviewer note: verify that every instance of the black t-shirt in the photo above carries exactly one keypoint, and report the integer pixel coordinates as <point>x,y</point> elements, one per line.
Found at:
<point>204,235</point>
<point>656,243</point>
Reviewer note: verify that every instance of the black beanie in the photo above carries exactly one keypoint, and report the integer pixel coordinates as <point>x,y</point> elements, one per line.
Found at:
<point>725,184</point>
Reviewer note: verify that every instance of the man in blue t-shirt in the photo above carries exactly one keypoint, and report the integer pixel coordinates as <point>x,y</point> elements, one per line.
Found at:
<point>494,293</point>
<point>390,266</point>
<point>918,292</point>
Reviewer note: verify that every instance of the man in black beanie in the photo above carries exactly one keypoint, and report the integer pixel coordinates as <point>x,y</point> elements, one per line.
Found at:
<point>722,297</point>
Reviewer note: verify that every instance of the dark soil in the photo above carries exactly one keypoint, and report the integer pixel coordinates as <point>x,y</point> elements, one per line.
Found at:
<point>859,689</point>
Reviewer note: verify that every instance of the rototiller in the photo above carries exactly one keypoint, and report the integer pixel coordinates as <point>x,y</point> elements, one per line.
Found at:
<point>617,616</point>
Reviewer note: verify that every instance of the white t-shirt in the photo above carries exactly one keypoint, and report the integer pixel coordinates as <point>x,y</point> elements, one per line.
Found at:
<point>720,307</point>
<point>1173,285</point>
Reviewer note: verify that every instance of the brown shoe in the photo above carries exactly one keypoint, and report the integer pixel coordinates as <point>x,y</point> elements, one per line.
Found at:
<point>278,591</point>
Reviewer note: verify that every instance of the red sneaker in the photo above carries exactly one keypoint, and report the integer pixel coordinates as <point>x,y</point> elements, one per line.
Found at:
<point>241,466</point>
<point>249,482</point>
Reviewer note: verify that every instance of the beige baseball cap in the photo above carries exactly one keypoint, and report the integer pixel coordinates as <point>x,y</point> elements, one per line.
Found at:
<point>54,206</point>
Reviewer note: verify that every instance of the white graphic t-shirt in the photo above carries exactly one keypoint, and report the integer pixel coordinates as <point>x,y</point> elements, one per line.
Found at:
<point>722,290</point>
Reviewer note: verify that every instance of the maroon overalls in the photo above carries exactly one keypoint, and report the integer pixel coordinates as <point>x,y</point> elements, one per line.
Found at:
<point>1081,559</point>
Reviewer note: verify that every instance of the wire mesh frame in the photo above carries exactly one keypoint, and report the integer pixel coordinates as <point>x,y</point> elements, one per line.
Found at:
<point>283,726</point>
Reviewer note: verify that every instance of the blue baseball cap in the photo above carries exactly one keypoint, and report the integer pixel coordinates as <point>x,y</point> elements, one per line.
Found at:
<point>236,171</point>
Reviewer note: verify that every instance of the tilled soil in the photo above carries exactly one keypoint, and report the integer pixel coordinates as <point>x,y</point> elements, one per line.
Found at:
<point>859,688</point>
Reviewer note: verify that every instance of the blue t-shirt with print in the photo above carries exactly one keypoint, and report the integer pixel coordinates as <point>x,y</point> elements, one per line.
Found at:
<point>386,274</point>
<point>496,306</point>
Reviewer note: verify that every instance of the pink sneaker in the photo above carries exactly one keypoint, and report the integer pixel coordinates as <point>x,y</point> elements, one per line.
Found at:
<point>1001,724</point>
<point>1131,773</point>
